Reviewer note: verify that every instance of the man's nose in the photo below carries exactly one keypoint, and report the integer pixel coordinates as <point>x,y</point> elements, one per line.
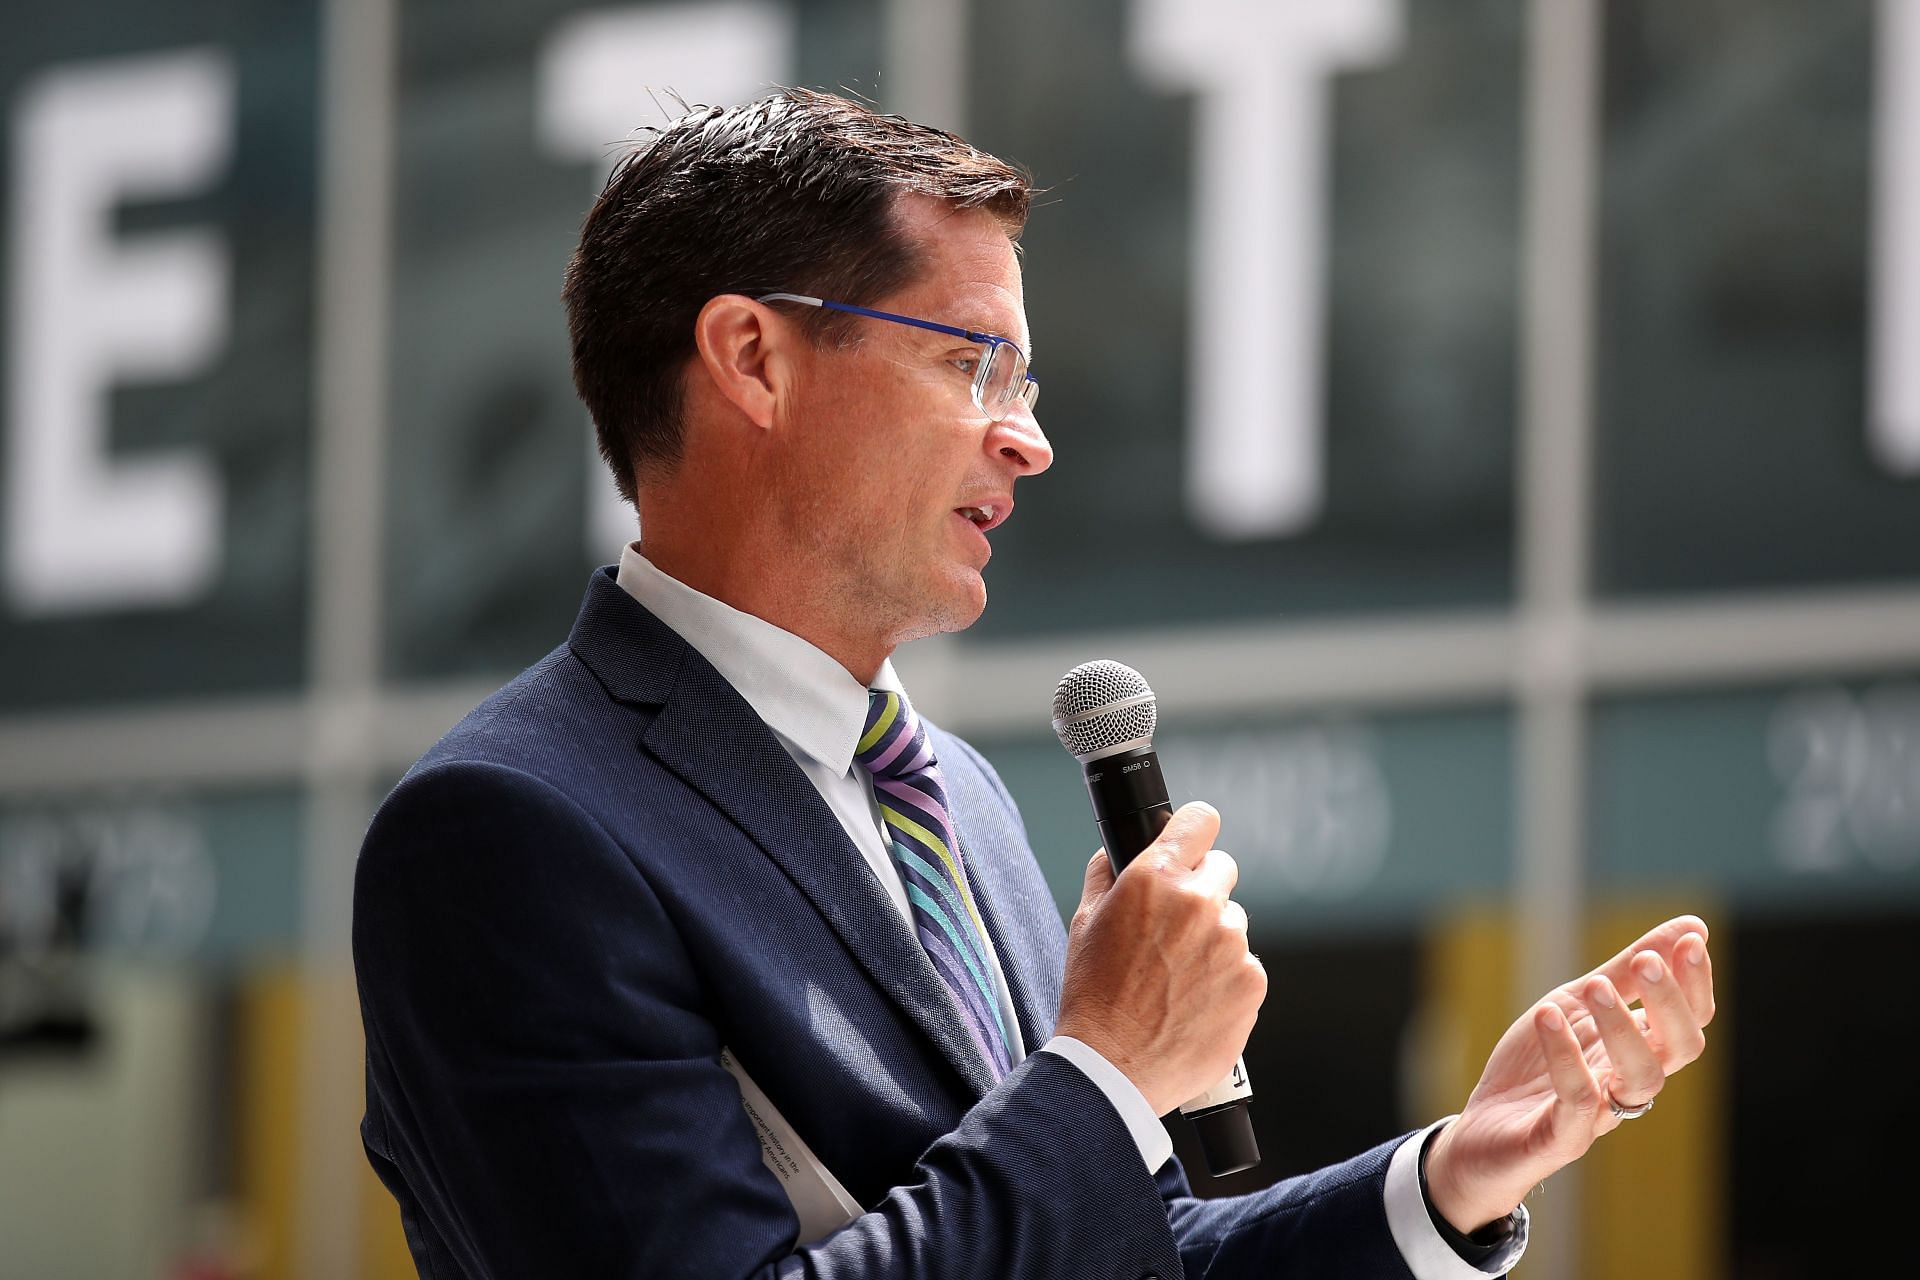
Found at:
<point>1018,436</point>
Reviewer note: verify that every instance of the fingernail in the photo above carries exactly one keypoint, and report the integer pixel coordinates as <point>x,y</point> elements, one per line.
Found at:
<point>1696,954</point>
<point>1648,967</point>
<point>1552,1018</point>
<point>1601,993</point>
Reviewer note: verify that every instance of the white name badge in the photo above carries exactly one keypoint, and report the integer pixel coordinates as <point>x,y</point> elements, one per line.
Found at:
<point>821,1203</point>
<point>1231,1089</point>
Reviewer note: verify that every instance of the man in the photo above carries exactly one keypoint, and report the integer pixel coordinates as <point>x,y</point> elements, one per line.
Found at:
<point>695,921</point>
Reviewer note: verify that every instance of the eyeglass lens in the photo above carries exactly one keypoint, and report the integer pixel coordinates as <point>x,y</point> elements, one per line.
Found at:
<point>1003,375</point>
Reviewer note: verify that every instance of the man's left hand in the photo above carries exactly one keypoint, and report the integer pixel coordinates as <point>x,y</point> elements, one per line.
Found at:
<point>1542,1099</point>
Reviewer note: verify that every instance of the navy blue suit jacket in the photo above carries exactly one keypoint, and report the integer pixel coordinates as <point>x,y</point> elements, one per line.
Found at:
<point>611,869</point>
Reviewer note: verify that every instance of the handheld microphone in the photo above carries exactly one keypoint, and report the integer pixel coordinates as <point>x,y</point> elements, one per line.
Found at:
<point>1103,714</point>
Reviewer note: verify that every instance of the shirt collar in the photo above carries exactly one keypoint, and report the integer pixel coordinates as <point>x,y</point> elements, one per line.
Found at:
<point>802,693</point>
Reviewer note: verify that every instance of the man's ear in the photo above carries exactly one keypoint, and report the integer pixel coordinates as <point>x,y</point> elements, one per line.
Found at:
<point>746,348</point>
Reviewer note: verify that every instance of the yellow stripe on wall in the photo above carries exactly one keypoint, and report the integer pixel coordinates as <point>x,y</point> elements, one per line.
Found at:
<point>1655,1195</point>
<point>268,1026</point>
<point>272,1019</point>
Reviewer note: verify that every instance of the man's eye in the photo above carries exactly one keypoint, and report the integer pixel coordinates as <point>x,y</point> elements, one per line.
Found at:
<point>966,364</point>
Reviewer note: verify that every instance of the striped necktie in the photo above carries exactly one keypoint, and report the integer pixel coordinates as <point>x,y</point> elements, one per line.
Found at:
<point>913,801</point>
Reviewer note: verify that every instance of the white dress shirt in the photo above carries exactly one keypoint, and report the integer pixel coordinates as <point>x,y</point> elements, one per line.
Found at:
<point>817,711</point>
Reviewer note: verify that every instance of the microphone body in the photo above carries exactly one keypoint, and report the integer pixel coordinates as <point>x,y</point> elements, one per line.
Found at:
<point>1130,804</point>
<point>1113,740</point>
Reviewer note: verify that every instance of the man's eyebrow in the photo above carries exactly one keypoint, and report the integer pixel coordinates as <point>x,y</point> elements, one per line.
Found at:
<point>1026,347</point>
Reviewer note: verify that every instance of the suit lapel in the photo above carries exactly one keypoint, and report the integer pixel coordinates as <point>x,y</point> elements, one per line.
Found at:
<point>714,741</point>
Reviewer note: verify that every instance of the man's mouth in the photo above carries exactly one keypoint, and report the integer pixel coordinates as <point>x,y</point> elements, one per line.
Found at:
<point>987,515</point>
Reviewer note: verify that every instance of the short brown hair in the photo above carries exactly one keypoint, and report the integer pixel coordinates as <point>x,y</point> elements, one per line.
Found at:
<point>794,192</point>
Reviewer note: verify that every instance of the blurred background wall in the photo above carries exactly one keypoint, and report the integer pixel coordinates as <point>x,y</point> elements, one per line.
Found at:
<point>1492,426</point>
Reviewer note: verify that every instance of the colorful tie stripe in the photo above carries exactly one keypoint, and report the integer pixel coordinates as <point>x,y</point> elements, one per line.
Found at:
<point>913,801</point>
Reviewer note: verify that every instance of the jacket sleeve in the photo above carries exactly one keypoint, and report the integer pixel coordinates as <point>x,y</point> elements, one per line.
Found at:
<point>1332,1222</point>
<point>545,1096</point>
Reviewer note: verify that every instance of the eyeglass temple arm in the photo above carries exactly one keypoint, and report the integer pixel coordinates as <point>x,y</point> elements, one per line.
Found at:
<point>848,307</point>
<point>968,334</point>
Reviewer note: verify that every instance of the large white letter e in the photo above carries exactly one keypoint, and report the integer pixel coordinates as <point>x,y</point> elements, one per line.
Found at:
<point>85,532</point>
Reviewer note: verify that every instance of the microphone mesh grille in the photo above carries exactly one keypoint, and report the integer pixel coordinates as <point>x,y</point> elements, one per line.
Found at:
<point>1095,685</point>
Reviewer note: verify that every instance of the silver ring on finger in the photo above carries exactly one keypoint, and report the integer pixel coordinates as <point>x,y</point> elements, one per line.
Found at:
<point>1627,1113</point>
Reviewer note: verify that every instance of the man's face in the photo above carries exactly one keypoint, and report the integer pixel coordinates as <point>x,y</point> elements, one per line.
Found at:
<point>889,464</point>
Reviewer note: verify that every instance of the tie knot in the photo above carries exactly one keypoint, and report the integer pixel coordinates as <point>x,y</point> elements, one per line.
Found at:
<point>893,744</point>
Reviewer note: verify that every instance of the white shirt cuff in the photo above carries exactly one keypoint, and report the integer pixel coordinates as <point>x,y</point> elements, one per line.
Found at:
<point>1427,1253</point>
<point>1149,1135</point>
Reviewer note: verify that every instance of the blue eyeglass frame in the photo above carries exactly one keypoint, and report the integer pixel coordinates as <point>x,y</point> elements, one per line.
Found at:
<point>1029,388</point>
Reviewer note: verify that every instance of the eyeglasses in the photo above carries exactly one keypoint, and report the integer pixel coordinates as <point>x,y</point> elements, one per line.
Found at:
<point>999,379</point>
